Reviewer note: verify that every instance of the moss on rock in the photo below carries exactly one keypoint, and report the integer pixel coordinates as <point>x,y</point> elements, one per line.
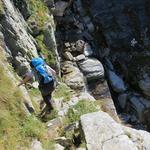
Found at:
<point>48,54</point>
<point>39,12</point>
<point>1,8</point>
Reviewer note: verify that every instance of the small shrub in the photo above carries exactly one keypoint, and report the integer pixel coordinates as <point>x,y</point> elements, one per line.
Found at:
<point>1,8</point>
<point>83,107</point>
<point>64,91</point>
<point>39,12</point>
<point>49,55</point>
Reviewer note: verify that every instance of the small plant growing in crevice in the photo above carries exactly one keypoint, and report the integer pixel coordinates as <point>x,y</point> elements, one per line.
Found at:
<point>33,128</point>
<point>48,54</point>
<point>39,12</point>
<point>83,107</point>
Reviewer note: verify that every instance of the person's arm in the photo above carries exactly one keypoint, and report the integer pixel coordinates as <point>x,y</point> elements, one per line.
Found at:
<point>25,80</point>
<point>53,71</point>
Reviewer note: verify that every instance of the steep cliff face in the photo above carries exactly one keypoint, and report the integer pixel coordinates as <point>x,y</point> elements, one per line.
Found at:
<point>25,39</point>
<point>123,28</point>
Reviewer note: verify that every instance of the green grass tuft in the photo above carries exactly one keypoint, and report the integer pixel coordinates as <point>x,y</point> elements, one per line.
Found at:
<point>33,128</point>
<point>16,129</point>
<point>83,107</point>
<point>48,54</point>
<point>39,12</point>
<point>64,91</point>
<point>1,8</point>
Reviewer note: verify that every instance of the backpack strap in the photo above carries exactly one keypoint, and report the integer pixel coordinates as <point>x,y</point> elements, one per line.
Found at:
<point>42,71</point>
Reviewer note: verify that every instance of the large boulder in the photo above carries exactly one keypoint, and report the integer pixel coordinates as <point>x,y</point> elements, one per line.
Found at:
<point>116,82</point>
<point>60,7</point>
<point>101,132</point>
<point>72,76</point>
<point>144,85</point>
<point>91,68</point>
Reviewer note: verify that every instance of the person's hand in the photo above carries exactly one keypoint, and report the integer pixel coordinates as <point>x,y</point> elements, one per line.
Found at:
<point>19,84</point>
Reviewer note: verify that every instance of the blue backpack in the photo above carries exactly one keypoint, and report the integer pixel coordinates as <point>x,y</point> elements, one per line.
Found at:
<point>39,65</point>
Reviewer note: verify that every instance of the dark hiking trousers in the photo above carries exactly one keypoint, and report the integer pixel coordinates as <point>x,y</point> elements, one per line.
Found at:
<point>46,91</point>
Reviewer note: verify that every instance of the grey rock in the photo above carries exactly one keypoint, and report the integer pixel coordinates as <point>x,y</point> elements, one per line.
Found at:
<point>109,64</point>
<point>139,137</point>
<point>88,50</point>
<point>110,15</point>
<point>122,99</point>
<point>116,82</point>
<point>27,100</point>
<point>49,36</point>
<point>50,3</point>
<point>79,25</point>
<point>50,42</point>
<point>98,127</point>
<point>67,44</point>
<point>58,103</point>
<point>80,57</point>
<point>72,127</point>
<point>138,106</point>
<point>53,127</point>
<point>80,46</point>
<point>90,27</point>
<point>123,143</point>
<point>101,132</point>
<point>72,76</point>
<point>92,68</point>
<point>86,19</point>
<point>15,26</point>
<point>15,33</point>
<point>22,65</point>
<point>60,7</point>
<point>59,147</point>
<point>36,145</point>
<point>78,7</point>
<point>23,7</point>
<point>64,141</point>
<point>57,122</point>
<point>68,56</point>
<point>86,96</point>
<point>145,85</point>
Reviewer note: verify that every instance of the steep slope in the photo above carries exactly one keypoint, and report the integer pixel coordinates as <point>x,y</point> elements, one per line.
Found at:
<point>16,126</point>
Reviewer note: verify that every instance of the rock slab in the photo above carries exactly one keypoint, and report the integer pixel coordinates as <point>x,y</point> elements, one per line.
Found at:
<point>101,132</point>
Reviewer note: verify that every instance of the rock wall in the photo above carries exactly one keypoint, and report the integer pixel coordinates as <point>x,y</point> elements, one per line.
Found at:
<point>123,40</point>
<point>101,132</point>
<point>20,31</point>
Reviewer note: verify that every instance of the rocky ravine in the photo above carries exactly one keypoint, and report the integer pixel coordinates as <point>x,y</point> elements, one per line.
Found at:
<point>83,39</point>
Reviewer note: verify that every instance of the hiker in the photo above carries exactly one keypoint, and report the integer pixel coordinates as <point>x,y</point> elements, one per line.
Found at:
<point>45,75</point>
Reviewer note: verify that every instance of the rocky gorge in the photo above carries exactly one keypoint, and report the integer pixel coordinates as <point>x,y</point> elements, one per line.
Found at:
<point>100,50</point>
